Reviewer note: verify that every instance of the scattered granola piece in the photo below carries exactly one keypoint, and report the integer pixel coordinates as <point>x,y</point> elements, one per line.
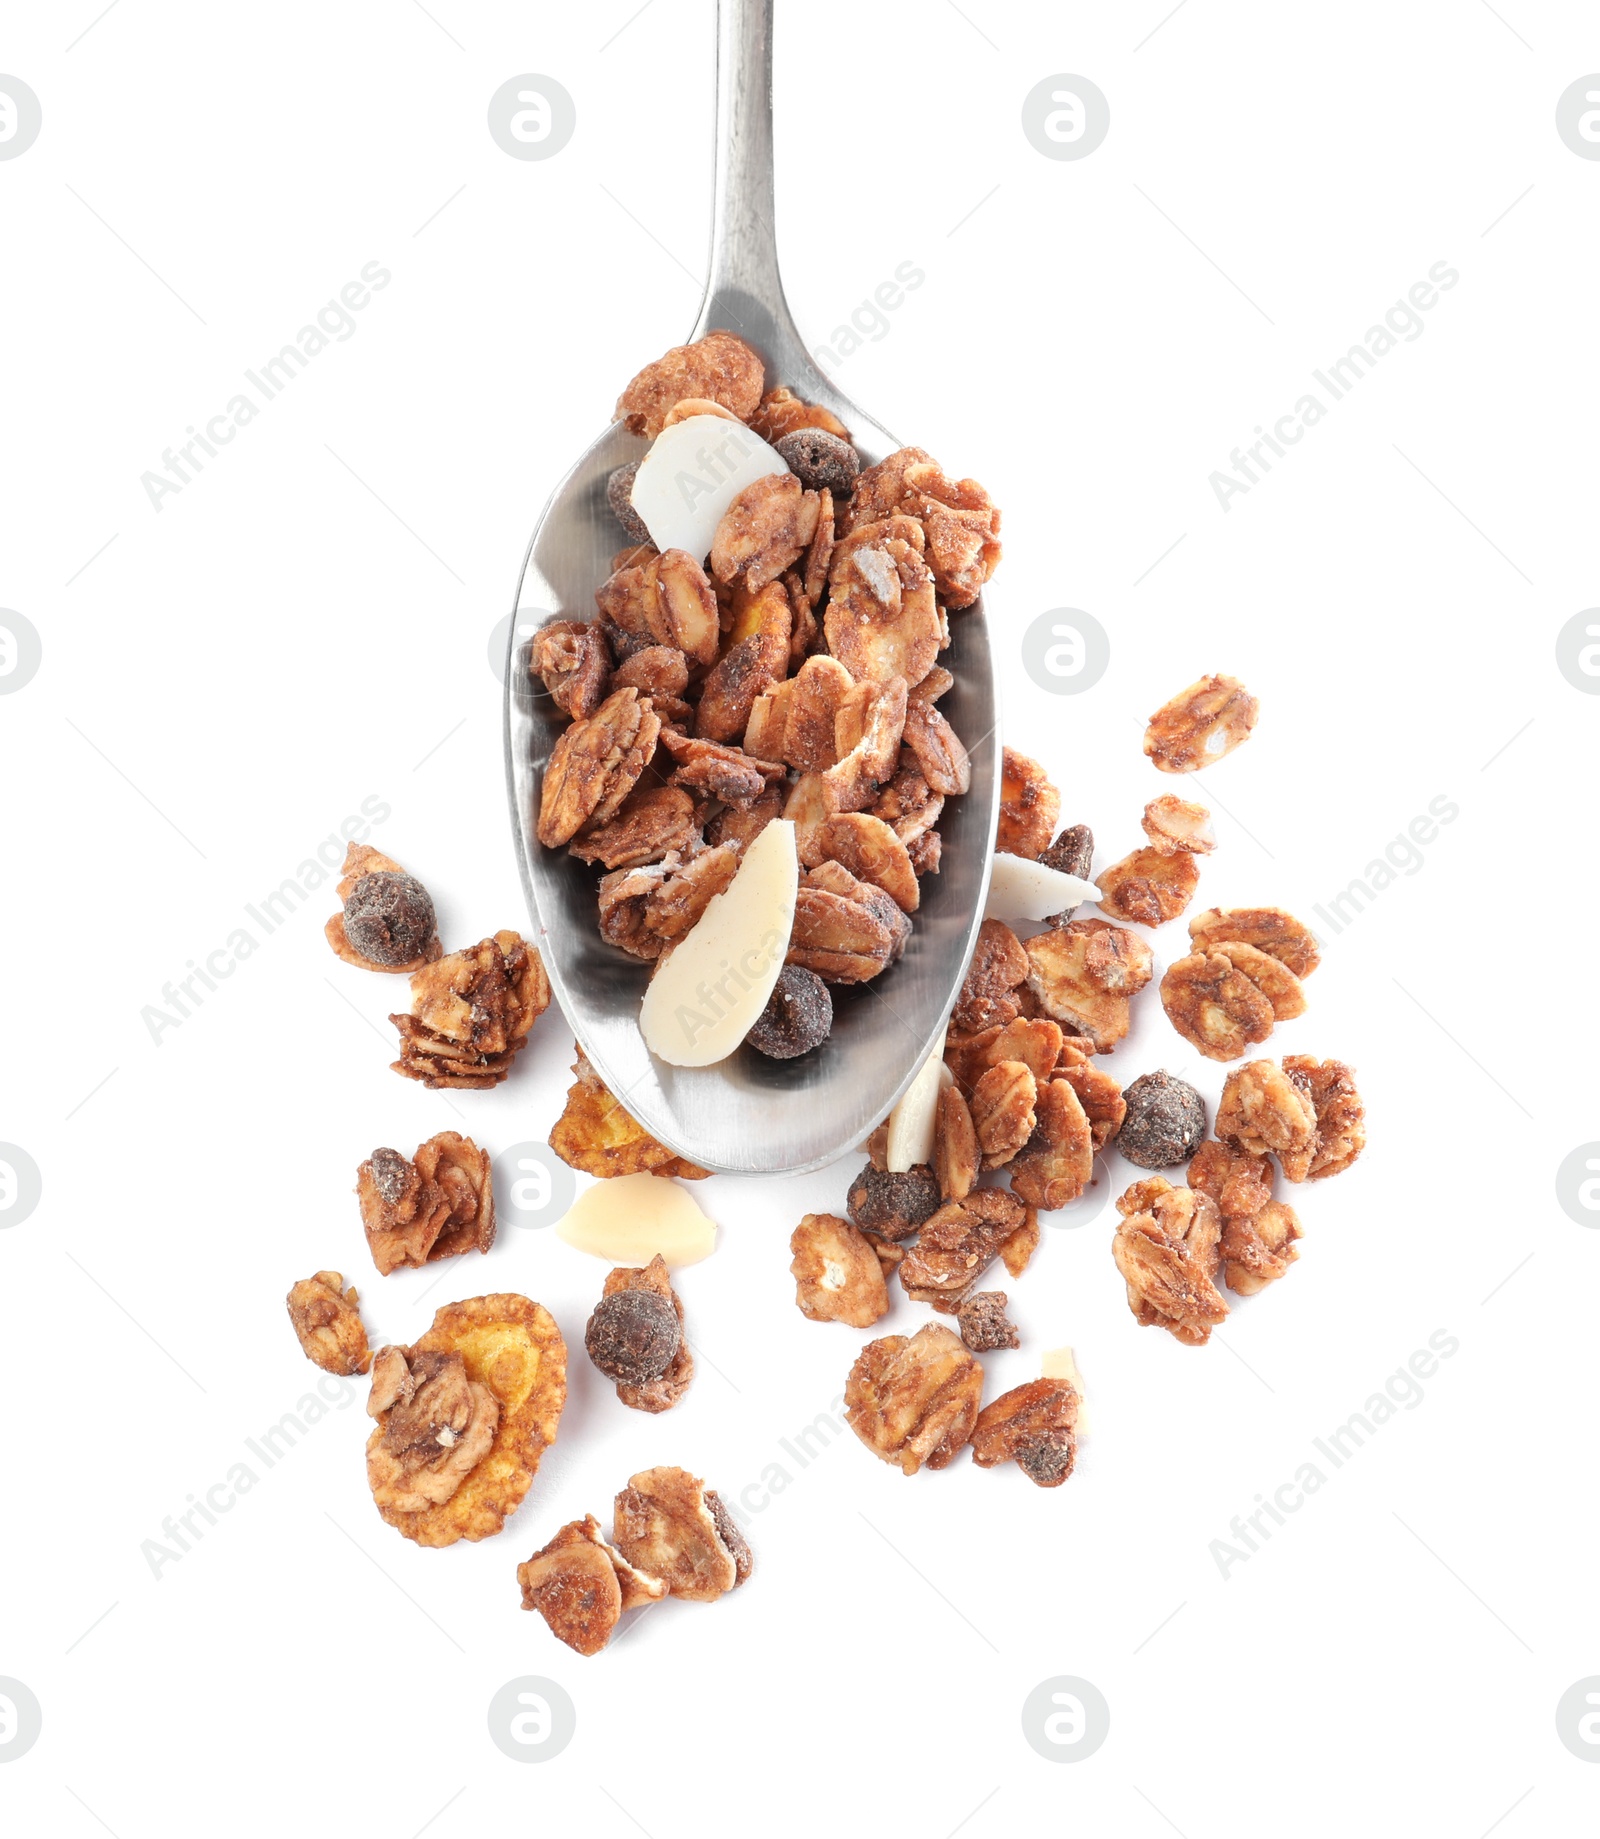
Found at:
<point>671,1525</point>
<point>1274,979</point>
<point>1176,824</point>
<point>719,367</point>
<point>1341,1131</point>
<point>956,1156</point>
<point>1150,886</point>
<point>1258,1233</point>
<point>1003,1111</point>
<point>1072,853</point>
<point>893,1204</point>
<point>1257,1251</point>
<point>1085,974</point>
<point>837,1272</point>
<point>914,1401</point>
<point>471,1012</point>
<point>1166,1248</point>
<point>1165,1121</point>
<point>490,1361</point>
<point>1056,1164</point>
<point>437,1205</point>
<point>1029,806</point>
<point>582,1585</point>
<point>960,1241</point>
<point>1098,1091</point>
<point>634,1333</point>
<point>1239,1181</point>
<point>387,921</point>
<point>1200,725</point>
<point>328,1324</point>
<point>999,964</point>
<point>640,1389</point>
<point>1280,935</point>
<point>797,1018</point>
<point>595,1135</point>
<point>1032,1425</point>
<point>819,460</point>
<point>1216,1008</point>
<point>1267,1112</point>
<point>984,1323</point>
<point>1035,1041</point>
<point>619,495</point>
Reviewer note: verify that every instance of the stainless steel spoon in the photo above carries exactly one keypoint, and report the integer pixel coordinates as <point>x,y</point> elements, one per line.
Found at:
<point>749,1115</point>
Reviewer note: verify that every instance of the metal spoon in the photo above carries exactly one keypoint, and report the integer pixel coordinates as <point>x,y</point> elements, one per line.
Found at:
<point>749,1115</point>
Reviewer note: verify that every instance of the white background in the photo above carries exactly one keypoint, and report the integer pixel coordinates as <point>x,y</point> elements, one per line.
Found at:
<point>306,625</point>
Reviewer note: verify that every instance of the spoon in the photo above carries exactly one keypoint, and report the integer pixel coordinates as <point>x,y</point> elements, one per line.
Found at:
<point>748,1115</point>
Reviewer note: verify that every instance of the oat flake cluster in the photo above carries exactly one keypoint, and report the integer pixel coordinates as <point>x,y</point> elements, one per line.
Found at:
<point>791,671</point>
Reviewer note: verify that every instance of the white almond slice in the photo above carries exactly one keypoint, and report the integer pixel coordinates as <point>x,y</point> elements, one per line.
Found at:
<point>911,1121</point>
<point>1023,890</point>
<point>630,1219</point>
<point>1061,1363</point>
<point>707,996</point>
<point>692,473</point>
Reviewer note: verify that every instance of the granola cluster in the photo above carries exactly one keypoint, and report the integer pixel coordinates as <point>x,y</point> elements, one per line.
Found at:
<point>672,1536</point>
<point>437,1204</point>
<point>471,1012</point>
<point>1242,976</point>
<point>790,670</point>
<point>596,1136</point>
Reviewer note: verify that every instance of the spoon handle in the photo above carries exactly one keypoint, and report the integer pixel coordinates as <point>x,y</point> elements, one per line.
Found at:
<point>744,293</point>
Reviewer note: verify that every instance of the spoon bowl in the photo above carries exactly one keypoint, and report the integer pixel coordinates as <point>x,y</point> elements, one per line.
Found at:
<point>747,1115</point>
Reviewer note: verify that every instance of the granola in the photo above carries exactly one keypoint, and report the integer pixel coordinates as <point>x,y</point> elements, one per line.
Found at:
<point>1166,1248</point>
<point>328,1324</point>
<point>1200,725</point>
<point>914,1401</point>
<point>492,1356</point>
<point>438,1204</point>
<point>387,920</point>
<point>1033,1426</point>
<point>1150,886</point>
<point>582,1585</point>
<point>1341,1131</point>
<point>1085,975</point>
<point>1280,935</point>
<point>838,1274</point>
<point>471,1012</point>
<point>596,1136</point>
<point>636,1337</point>
<point>1029,806</point>
<point>670,1525</point>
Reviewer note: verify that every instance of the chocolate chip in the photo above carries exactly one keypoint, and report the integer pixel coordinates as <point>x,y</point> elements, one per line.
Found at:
<point>1072,853</point>
<point>1165,1122</point>
<point>389,918</point>
<point>798,1016</point>
<point>632,1336</point>
<point>619,495</point>
<point>895,1205</point>
<point>819,459</point>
